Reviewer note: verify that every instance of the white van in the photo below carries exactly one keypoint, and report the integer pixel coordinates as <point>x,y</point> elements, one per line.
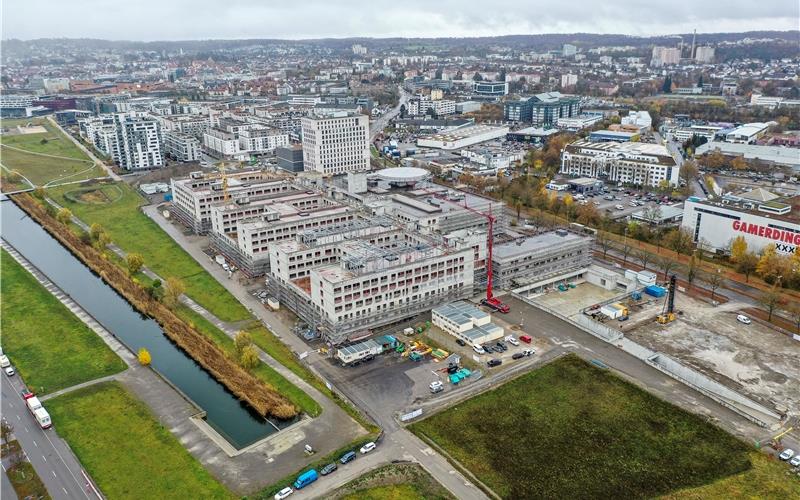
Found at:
<point>4,362</point>
<point>478,349</point>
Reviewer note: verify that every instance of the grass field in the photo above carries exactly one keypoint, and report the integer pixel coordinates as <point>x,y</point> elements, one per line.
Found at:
<point>135,232</point>
<point>124,448</point>
<point>570,430</point>
<point>766,479</point>
<point>32,155</point>
<point>403,481</point>
<point>50,347</point>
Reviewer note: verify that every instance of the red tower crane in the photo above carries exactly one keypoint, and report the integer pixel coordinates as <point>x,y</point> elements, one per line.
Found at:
<point>490,301</point>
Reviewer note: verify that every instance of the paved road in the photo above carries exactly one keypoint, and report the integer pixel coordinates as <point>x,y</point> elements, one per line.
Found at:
<point>380,123</point>
<point>48,453</point>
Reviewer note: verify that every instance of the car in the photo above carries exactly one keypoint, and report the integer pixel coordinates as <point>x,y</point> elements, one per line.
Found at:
<point>284,493</point>
<point>786,454</point>
<point>328,469</point>
<point>9,371</point>
<point>348,457</point>
<point>741,318</point>
<point>460,342</point>
<point>795,461</point>
<point>502,346</point>
<point>494,362</point>
<point>527,352</point>
<point>436,386</point>
<point>633,204</point>
<point>367,448</point>
<point>517,355</point>
<point>526,338</point>
<point>619,207</point>
<point>478,349</point>
<point>26,394</point>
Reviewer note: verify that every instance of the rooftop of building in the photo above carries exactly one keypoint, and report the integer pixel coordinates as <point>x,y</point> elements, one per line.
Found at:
<point>460,312</point>
<point>785,209</point>
<point>749,129</point>
<point>289,214</point>
<point>776,154</point>
<point>536,131</point>
<point>534,244</point>
<point>657,151</point>
<point>464,133</point>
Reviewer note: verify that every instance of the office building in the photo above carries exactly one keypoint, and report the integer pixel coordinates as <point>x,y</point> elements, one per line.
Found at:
<point>543,109</point>
<point>578,122</point>
<point>497,89</point>
<point>181,147</point>
<point>441,107</point>
<point>759,216</point>
<point>335,144</point>
<point>630,162</point>
<point>290,157</point>
<point>568,50</point>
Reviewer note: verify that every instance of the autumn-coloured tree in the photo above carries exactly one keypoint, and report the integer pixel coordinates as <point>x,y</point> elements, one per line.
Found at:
<point>144,357</point>
<point>134,261</point>
<point>173,289</point>
<point>746,264</point>
<point>249,357</point>
<point>64,216</point>
<point>738,248</point>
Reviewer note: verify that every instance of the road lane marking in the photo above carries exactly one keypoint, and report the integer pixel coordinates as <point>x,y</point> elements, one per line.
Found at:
<point>65,491</point>
<point>65,464</point>
<point>44,458</point>
<point>54,473</point>
<point>18,417</point>
<point>34,443</point>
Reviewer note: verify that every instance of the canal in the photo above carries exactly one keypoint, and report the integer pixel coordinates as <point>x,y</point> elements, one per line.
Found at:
<point>232,419</point>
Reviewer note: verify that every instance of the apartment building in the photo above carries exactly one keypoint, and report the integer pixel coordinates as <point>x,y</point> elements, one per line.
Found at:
<point>132,140</point>
<point>181,147</point>
<point>335,144</point>
<point>222,143</point>
<point>664,56</point>
<point>192,124</point>
<point>418,107</point>
<point>629,163</point>
<point>259,139</point>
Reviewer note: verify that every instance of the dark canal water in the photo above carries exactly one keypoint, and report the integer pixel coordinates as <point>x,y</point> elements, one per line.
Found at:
<point>229,417</point>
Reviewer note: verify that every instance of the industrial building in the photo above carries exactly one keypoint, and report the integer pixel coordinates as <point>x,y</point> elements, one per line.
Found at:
<point>466,322</point>
<point>462,137</point>
<point>759,216</point>
<point>630,162</point>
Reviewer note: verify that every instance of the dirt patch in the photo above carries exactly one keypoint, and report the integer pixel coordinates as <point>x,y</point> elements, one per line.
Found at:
<point>398,474</point>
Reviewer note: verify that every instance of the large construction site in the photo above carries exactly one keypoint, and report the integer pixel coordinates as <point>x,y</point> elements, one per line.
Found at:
<point>356,252</point>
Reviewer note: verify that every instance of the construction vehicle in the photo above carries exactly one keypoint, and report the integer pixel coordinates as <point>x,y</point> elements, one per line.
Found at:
<point>490,301</point>
<point>668,314</point>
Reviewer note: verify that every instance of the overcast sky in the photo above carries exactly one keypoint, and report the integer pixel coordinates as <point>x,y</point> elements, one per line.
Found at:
<point>206,19</point>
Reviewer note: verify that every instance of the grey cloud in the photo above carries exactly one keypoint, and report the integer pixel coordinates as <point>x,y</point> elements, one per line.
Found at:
<point>205,19</point>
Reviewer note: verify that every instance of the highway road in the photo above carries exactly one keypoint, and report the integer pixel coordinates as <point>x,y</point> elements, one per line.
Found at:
<point>47,452</point>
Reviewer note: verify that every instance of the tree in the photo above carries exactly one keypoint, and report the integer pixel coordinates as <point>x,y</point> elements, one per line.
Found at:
<point>477,77</point>
<point>714,281</point>
<point>64,216</point>
<point>679,240</point>
<point>793,308</point>
<point>95,230</point>
<point>518,208</point>
<point>173,290</point>
<point>770,300</point>
<point>6,430</point>
<point>771,265</point>
<point>102,241</point>
<point>626,251</point>
<point>688,172</point>
<point>667,86</point>
<point>248,359</point>
<point>738,248</point>
<point>643,256</point>
<point>240,341</point>
<point>155,290</point>
<point>666,265</point>
<point>747,264</point>
<point>739,163</point>
<point>568,201</point>
<point>134,261</point>
<point>144,357</point>
<point>604,242</point>
<point>692,269</point>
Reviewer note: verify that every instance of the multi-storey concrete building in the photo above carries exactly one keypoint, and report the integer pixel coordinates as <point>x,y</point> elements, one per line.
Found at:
<point>539,261</point>
<point>441,107</point>
<point>335,144</point>
<point>258,139</point>
<point>132,140</point>
<point>630,163</point>
<point>181,147</point>
<point>543,109</point>
<point>222,143</point>
<point>193,196</point>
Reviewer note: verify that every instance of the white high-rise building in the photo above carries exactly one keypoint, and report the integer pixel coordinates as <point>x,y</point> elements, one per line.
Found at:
<point>569,80</point>
<point>335,144</point>
<point>704,55</point>
<point>132,140</point>
<point>663,56</point>
<point>568,50</point>
<point>359,50</point>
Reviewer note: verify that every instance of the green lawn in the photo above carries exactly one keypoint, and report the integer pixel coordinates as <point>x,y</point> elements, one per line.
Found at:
<point>571,430</point>
<point>401,481</point>
<point>766,479</point>
<point>124,448</point>
<point>133,231</point>
<point>50,347</point>
<point>39,169</point>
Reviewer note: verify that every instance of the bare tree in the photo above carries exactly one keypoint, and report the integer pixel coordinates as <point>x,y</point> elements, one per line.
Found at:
<point>5,430</point>
<point>771,300</point>
<point>666,265</point>
<point>714,281</point>
<point>626,251</point>
<point>644,257</point>
<point>604,242</point>
<point>692,270</point>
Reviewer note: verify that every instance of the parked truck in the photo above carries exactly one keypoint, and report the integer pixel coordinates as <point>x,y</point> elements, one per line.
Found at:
<point>37,410</point>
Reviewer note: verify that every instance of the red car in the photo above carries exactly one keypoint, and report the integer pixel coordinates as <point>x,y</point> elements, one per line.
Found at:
<point>525,338</point>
